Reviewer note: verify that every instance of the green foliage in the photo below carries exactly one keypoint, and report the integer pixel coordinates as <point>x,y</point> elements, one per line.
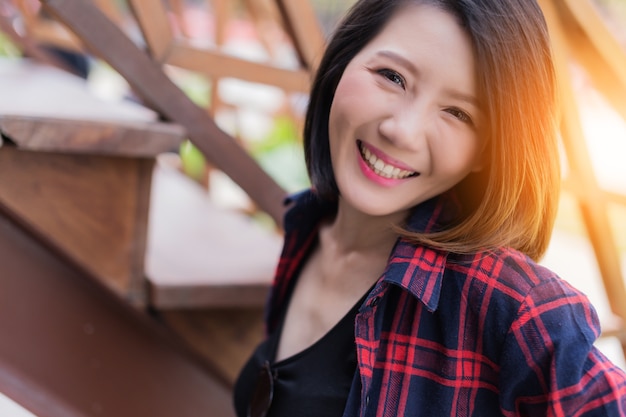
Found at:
<point>283,132</point>
<point>193,161</point>
<point>7,48</point>
<point>194,85</point>
<point>281,155</point>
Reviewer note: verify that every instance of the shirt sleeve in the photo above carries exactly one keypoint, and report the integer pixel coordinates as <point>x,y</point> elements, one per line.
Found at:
<point>550,366</point>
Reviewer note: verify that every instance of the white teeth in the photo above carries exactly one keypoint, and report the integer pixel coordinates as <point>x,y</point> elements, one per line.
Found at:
<point>383,169</point>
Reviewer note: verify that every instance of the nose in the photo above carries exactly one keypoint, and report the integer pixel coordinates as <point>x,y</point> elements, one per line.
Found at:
<point>406,127</point>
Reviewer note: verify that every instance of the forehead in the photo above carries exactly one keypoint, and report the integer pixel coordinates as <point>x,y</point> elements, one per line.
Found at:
<point>427,36</point>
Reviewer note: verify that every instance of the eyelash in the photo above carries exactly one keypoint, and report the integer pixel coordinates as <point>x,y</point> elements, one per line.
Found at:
<point>396,78</point>
<point>461,115</point>
<point>392,76</point>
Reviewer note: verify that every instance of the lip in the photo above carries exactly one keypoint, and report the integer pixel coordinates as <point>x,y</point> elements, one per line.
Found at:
<point>375,178</point>
<point>386,158</point>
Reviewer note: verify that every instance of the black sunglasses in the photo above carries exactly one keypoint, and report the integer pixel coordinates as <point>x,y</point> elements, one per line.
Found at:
<point>263,392</point>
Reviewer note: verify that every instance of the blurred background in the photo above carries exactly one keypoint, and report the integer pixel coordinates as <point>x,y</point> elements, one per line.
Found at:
<point>267,119</point>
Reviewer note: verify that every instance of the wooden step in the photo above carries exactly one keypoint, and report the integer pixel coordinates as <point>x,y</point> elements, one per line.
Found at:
<point>71,347</point>
<point>200,255</point>
<point>79,169</point>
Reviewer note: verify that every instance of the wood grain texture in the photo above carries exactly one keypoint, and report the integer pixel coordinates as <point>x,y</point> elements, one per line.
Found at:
<point>200,255</point>
<point>30,89</point>
<point>591,199</point>
<point>155,26</point>
<point>301,23</point>
<point>152,84</point>
<point>91,137</point>
<point>224,337</point>
<point>93,207</point>
<point>219,65</point>
<point>591,44</point>
<point>76,350</point>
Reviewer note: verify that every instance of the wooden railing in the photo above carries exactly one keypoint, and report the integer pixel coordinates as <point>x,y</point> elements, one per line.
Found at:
<point>579,35</point>
<point>211,305</point>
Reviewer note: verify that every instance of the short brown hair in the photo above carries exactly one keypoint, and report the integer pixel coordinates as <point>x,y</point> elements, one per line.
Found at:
<point>513,200</point>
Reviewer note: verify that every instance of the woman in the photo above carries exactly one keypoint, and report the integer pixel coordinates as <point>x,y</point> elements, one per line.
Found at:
<point>408,284</point>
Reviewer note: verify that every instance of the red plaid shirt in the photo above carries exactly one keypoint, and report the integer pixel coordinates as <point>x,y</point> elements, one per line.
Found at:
<point>492,334</point>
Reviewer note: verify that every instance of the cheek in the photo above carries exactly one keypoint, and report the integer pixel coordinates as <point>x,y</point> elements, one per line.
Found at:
<point>349,98</point>
<point>349,87</point>
<point>459,156</point>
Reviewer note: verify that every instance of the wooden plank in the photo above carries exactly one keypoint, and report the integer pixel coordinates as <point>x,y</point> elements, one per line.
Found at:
<point>50,33</point>
<point>91,137</point>
<point>178,7</point>
<point>112,10</point>
<point>594,47</point>
<point>27,11</point>
<point>224,337</point>
<point>592,204</point>
<point>151,83</point>
<point>39,30</point>
<point>303,27</point>
<point>93,207</point>
<point>598,34</point>
<point>32,90</point>
<point>609,196</point>
<point>221,12</point>
<point>76,350</point>
<point>155,27</point>
<point>29,47</point>
<point>202,256</point>
<point>220,65</point>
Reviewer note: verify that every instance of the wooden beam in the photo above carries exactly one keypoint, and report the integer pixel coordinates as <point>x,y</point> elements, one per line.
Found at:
<point>304,29</point>
<point>596,50</point>
<point>206,271</point>
<point>152,84</point>
<point>225,337</point>
<point>220,65</point>
<point>93,207</point>
<point>90,137</point>
<point>31,48</point>
<point>596,31</point>
<point>592,204</point>
<point>77,350</point>
<point>155,27</point>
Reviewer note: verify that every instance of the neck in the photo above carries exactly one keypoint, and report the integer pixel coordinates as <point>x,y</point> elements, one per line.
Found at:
<point>355,232</point>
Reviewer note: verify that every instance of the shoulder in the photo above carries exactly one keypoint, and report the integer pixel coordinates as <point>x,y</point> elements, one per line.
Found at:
<point>305,211</point>
<point>509,272</point>
<point>515,292</point>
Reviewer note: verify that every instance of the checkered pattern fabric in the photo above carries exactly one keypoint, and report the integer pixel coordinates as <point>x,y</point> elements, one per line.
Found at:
<point>442,334</point>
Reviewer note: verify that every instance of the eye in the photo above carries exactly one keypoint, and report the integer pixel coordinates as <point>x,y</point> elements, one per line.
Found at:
<point>392,76</point>
<point>461,115</point>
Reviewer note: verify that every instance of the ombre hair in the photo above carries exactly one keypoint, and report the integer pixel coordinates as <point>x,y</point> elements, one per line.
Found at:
<point>512,202</point>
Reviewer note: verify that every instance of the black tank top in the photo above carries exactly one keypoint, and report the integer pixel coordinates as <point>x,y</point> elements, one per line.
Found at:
<point>312,383</point>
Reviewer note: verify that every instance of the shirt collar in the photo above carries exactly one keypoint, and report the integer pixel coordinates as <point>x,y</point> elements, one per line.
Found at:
<point>416,268</point>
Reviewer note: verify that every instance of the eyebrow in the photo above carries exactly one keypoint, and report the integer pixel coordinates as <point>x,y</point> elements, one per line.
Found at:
<point>468,98</point>
<point>455,94</point>
<point>399,59</point>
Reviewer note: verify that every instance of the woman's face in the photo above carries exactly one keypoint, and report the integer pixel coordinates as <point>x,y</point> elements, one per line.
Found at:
<point>403,122</point>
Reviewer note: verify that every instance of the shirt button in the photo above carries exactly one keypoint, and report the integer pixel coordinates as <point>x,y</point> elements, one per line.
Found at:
<point>374,301</point>
<point>367,400</point>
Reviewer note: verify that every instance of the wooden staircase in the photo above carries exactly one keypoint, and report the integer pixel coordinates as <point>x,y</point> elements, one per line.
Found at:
<point>88,185</point>
<point>126,290</point>
<point>78,337</point>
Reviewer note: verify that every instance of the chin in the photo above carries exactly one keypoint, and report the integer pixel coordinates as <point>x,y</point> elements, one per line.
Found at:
<point>375,206</point>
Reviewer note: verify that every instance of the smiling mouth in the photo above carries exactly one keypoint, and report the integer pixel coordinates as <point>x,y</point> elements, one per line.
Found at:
<point>383,169</point>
